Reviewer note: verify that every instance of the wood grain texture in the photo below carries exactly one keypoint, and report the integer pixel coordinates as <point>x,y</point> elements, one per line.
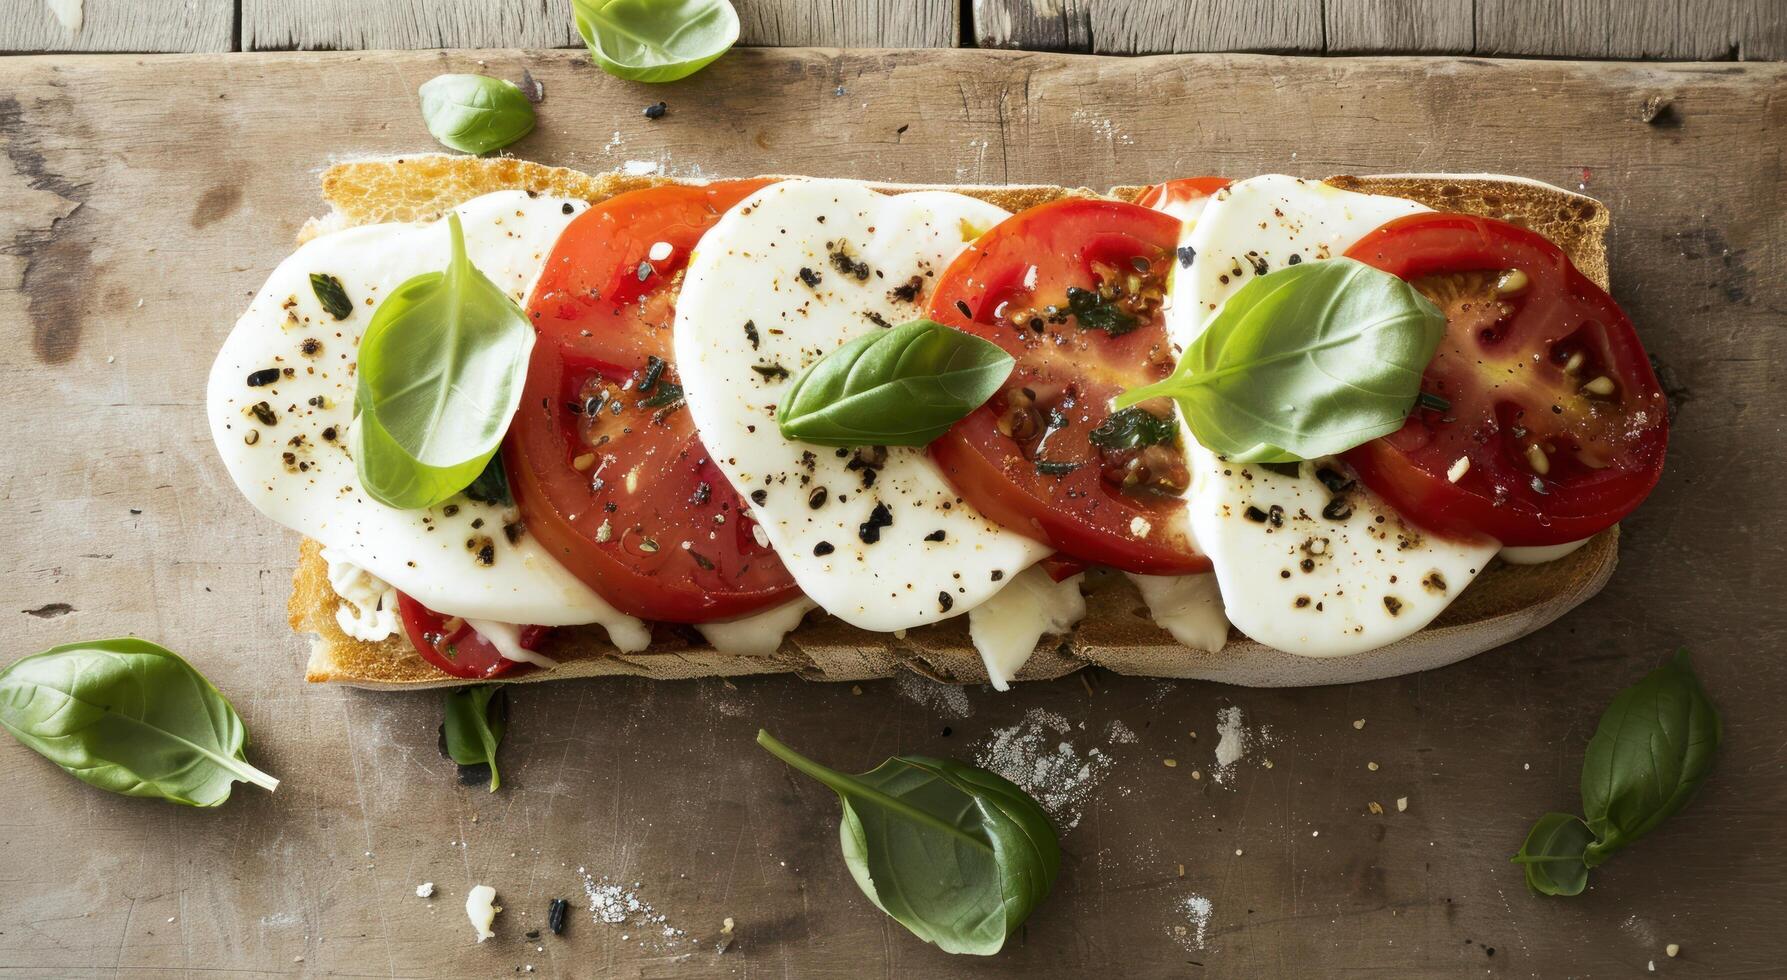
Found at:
<point>1149,26</point>
<point>120,25</point>
<point>1392,26</point>
<point>136,228</point>
<point>1706,29</point>
<point>282,25</point>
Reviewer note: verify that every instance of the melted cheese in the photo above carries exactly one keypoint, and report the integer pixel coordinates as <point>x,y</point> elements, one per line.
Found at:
<point>1006,628</point>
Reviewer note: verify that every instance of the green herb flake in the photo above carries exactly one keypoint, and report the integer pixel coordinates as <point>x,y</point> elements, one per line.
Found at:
<point>1095,312</point>
<point>330,293</point>
<point>1133,428</point>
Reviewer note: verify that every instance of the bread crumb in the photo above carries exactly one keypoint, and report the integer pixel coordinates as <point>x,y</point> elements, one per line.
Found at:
<point>1170,763</point>
<point>1265,763</point>
<point>1182,874</point>
<point>1374,807</point>
<point>1372,766</point>
<point>1402,804</point>
<point>1672,950</point>
<point>425,890</point>
<point>1237,852</point>
<point>1358,724</point>
<point>1195,774</point>
<point>856,689</point>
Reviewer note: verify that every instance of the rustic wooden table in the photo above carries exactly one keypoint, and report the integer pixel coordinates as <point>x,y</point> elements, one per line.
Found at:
<point>147,196</point>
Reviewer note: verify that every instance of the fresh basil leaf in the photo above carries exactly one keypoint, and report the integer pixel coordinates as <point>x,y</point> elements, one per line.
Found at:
<point>332,295</point>
<point>956,854</point>
<point>475,113</point>
<point>492,484</point>
<point>899,387</point>
<point>1133,428</point>
<point>130,717</point>
<point>1653,748</point>
<point>1552,855</point>
<point>655,40</point>
<point>1304,362</point>
<point>475,720</point>
<point>440,374</point>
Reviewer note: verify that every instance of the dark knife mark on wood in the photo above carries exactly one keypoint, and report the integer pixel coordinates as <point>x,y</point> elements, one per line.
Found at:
<point>58,270</point>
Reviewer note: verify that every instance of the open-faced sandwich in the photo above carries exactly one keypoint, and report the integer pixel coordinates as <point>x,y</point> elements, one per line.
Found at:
<point>538,424</point>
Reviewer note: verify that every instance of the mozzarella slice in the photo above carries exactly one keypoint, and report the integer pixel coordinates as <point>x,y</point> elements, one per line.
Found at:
<point>1006,628</point>
<point>1540,554</point>
<point>1310,564</point>
<point>784,278</point>
<point>757,635</point>
<point>1187,606</point>
<point>368,609</point>
<point>462,558</point>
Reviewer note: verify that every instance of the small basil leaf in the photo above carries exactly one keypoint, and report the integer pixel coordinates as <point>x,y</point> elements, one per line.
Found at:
<point>1304,362</point>
<point>440,373</point>
<point>332,295</point>
<point>1653,748</point>
<point>1552,855</point>
<point>475,113</point>
<point>956,854</point>
<point>492,485</point>
<point>899,387</point>
<point>130,717</point>
<point>1133,428</point>
<point>476,718</point>
<point>655,40</point>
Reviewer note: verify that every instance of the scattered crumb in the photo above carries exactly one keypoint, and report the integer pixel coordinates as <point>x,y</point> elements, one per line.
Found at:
<point>1170,763</point>
<point>425,890</point>
<point>948,700</point>
<point>1237,852</point>
<point>1672,950</point>
<point>1117,733</point>
<point>481,908</point>
<point>856,689</point>
<point>1372,766</point>
<point>1402,804</point>
<point>1358,724</point>
<point>1197,910</point>
<point>1197,774</point>
<point>1234,740</point>
<point>1374,807</point>
<point>1181,870</point>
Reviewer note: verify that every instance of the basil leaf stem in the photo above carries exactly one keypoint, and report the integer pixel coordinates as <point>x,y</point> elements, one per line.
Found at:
<point>655,40</point>
<point>1304,362</point>
<point>900,387</point>
<point>956,854</point>
<point>129,717</point>
<point>475,113</point>
<point>440,374</point>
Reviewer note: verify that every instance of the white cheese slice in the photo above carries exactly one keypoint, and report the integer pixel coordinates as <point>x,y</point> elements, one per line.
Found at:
<point>1006,628</point>
<point>1292,577</point>
<point>1187,606</point>
<point>297,470</point>
<point>759,634</point>
<point>1540,554</point>
<point>784,278</point>
<point>506,637</point>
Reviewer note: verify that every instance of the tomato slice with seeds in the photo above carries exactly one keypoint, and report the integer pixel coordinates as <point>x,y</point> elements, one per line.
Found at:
<point>1071,289</point>
<point>1553,426</point>
<point>453,646</point>
<point>605,464</point>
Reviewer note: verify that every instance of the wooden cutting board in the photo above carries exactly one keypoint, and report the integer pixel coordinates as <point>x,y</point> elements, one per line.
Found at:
<point>147,197</point>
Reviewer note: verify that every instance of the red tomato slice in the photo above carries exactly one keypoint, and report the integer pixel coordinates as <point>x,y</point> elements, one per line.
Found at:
<point>605,465</point>
<point>1072,290</point>
<point>1556,426</point>
<point>458,649</point>
<point>1162,197</point>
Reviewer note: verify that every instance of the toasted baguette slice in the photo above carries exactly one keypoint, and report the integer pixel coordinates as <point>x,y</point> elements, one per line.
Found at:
<point>1504,603</point>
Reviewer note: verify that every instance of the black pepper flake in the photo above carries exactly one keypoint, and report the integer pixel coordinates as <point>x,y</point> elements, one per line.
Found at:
<point>751,333</point>
<point>1275,516</point>
<point>937,535</point>
<point>856,268</point>
<point>770,372</point>
<point>870,530</point>
<point>513,531</point>
<point>567,209</point>
<point>264,376</point>
<point>329,434</point>
<point>705,562</point>
<point>759,496</point>
<point>1186,255</point>
<point>704,492</point>
<point>963,307</point>
<point>1393,604</point>
<point>998,574</point>
<point>263,413</point>
<point>1055,467</point>
<point>1295,259</point>
<point>908,291</point>
<point>809,277</point>
<point>555,915</point>
<point>1333,480</point>
<point>1259,263</point>
<point>816,499</point>
<point>1254,514</point>
<point>1338,509</point>
<point>656,110</point>
<point>945,601</point>
<point>823,548</point>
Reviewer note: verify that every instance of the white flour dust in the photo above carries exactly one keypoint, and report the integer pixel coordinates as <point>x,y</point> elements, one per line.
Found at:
<point>1191,934</point>
<point>948,700</point>
<point>1034,755</point>
<point>618,904</point>
<point>1117,733</point>
<point>1234,740</point>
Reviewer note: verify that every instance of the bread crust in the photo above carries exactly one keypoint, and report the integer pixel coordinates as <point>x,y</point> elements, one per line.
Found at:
<point>1504,603</point>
